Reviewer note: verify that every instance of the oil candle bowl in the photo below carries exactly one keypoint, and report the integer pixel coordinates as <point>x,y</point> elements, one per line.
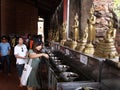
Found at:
<point>85,88</point>
<point>57,62</point>
<point>69,76</point>
<point>62,68</point>
<point>54,58</point>
<point>51,54</point>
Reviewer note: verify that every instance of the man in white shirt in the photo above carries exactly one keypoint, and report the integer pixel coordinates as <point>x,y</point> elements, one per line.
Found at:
<point>20,52</point>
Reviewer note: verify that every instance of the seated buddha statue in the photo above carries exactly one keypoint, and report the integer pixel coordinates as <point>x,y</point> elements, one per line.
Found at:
<point>111,33</point>
<point>85,35</point>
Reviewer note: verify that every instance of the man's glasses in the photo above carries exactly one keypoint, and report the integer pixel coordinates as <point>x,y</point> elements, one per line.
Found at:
<point>22,49</point>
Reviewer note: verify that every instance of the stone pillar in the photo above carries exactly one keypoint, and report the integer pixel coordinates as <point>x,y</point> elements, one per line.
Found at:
<point>84,13</point>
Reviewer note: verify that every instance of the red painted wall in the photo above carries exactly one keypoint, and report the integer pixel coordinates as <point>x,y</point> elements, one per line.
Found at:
<point>65,11</point>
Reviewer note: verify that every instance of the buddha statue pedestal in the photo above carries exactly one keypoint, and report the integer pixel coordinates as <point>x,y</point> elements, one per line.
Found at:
<point>71,44</point>
<point>80,46</point>
<point>117,64</point>
<point>62,42</point>
<point>89,49</point>
<point>107,50</point>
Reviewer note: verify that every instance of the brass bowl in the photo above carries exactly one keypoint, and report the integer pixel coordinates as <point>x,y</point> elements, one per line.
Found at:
<point>62,68</point>
<point>51,54</point>
<point>85,88</point>
<point>69,76</point>
<point>54,58</point>
<point>57,62</point>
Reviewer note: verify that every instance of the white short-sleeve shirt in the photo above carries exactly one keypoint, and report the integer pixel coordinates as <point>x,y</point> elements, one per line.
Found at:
<point>20,51</point>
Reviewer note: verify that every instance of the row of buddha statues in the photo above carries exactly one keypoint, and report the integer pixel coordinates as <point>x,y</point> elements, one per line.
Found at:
<point>105,48</point>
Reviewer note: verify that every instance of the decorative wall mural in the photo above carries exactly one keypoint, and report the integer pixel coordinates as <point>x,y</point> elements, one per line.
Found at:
<point>103,15</point>
<point>104,12</point>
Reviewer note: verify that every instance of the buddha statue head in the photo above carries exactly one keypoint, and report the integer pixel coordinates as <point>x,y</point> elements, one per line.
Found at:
<point>76,16</point>
<point>92,10</point>
<point>110,23</point>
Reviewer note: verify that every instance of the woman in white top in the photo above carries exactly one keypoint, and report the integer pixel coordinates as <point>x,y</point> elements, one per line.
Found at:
<point>20,52</point>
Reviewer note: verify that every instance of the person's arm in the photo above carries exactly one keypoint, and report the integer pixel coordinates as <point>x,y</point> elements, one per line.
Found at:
<point>16,54</point>
<point>9,49</point>
<point>26,50</point>
<point>0,49</point>
<point>34,55</point>
<point>9,52</point>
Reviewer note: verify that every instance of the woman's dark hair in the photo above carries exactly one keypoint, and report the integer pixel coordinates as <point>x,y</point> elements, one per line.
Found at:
<point>35,44</point>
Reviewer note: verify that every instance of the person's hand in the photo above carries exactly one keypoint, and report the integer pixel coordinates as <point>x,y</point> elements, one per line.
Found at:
<point>45,55</point>
<point>8,52</point>
<point>25,57</point>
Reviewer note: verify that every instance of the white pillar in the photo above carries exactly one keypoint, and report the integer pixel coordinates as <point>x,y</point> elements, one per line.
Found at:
<point>68,14</point>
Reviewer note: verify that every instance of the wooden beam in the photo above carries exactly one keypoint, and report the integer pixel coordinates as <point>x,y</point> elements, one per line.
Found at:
<point>43,8</point>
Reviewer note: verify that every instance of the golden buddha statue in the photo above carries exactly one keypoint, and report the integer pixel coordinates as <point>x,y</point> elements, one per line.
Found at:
<point>111,33</point>
<point>91,25</point>
<point>53,36</point>
<point>56,38</point>
<point>106,48</point>
<point>85,35</point>
<point>89,48</point>
<point>82,42</point>
<point>50,35</point>
<point>72,43</point>
<point>76,28</point>
<point>64,33</point>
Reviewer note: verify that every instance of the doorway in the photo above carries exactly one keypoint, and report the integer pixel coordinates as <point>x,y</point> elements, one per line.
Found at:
<point>41,27</point>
